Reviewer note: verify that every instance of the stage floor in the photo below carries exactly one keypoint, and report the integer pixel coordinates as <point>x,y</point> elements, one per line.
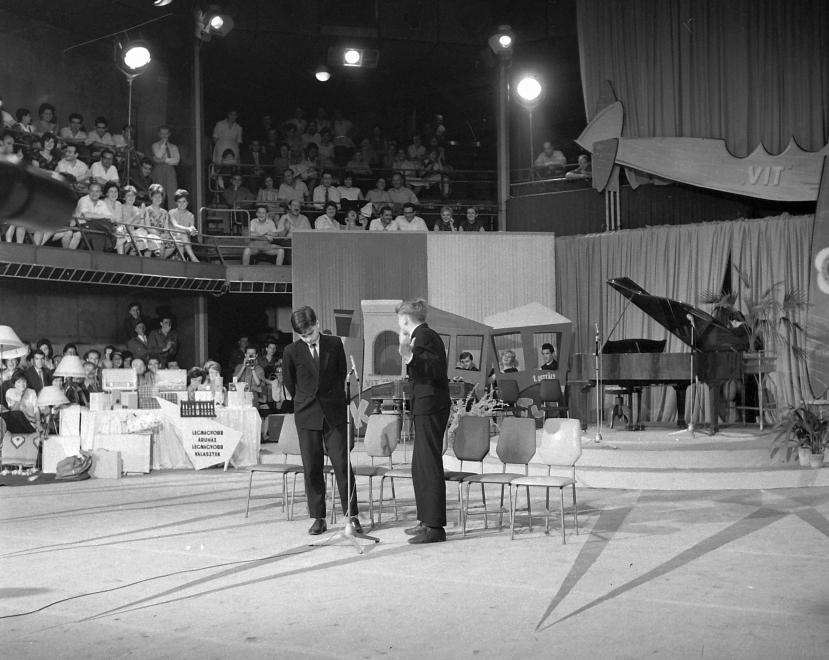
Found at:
<point>166,566</point>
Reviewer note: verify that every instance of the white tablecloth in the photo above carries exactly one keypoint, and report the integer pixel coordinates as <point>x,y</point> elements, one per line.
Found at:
<point>167,450</point>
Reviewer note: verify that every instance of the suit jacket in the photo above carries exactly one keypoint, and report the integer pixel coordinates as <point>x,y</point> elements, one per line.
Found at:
<point>318,394</point>
<point>34,381</point>
<point>427,372</point>
<point>157,341</point>
<point>138,348</point>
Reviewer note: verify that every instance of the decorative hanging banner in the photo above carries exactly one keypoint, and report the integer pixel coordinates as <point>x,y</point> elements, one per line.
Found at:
<point>205,441</point>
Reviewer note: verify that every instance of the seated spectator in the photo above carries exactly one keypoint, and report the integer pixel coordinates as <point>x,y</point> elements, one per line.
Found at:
<point>24,399</point>
<point>472,222</point>
<point>292,188</point>
<point>385,222</point>
<point>294,140</point>
<point>46,158</point>
<point>550,161</point>
<point>6,119</point>
<point>355,221</point>
<point>38,375</point>
<point>262,232</point>
<point>130,216</point>
<point>409,221</point>
<point>90,380</point>
<point>310,134</point>
<point>117,359</point>
<point>46,119</point>
<point>292,220</point>
<point>227,134</point>
<point>405,165</point>
<point>116,217</point>
<point>344,149</point>
<point>416,151</point>
<point>134,315</point>
<point>73,170</point>
<point>378,144</point>
<point>326,149</point>
<point>308,169</point>
<point>196,377</point>
<point>282,158</point>
<point>89,208</point>
<point>156,220</point>
<point>184,223</point>
<point>358,164</point>
<point>139,344</point>
<point>269,195</point>
<point>166,157</point>
<point>75,391</point>
<point>24,125</point>
<point>103,171</point>
<point>74,132</point>
<point>271,144</point>
<point>45,347</point>
<point>348,191</point>
<point>379,196</point>
<point>446,222</point>
<point>9,146</point>
<point>100,138</point>
<point>434,172</point>
<point>253,163</point>
<point>466,362</point>
<point>163,342</point>
<point>326,192</point>
<point>399,194</point>
<point>227,167</point>
<point>236,194</point>
<point>509,361</point>
<point>251,374</point>
<point>367,154</point>
<point>548,356</point>
<point>328,219</point>
<point>141,179</point>
<point>584,169</point>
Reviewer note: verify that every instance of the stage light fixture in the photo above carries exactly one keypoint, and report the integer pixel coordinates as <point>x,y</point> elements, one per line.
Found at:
<point>212,21</point>
<point>135,56</point>
<point>216,23</point>
<point>352,57</point>
<point>322,74</point>
<point>162,3</point>
<point>529,90</point>
<point>502,41</point>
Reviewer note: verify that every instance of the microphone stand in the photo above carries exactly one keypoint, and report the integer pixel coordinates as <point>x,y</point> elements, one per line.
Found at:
<point>690,428</point>
<point>597,368</point>
<point>348,532</point>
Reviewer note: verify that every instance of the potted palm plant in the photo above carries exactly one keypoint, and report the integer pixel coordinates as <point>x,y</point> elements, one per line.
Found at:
<point>802,428</point>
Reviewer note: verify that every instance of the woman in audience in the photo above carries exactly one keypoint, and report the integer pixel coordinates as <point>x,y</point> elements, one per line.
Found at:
<point>282,158</point>
<point>328,220</point>
<point>214,374</point>
<point>157,221</point>
<point>268,194</point>
<point>509,361</point>
<point>226,167</point>
<point>130,215</point>
<point>271,358</point>
<point>45,347</point>
<point>446,222</point>
<point>348,190</point>
<point>46,123</point>
<point>46,158</point>
<point>355,221</point>
<point>184,222</point>
<point>310,134</point>
<point>117,359</point>
<point>195,381</point>
<point>21,397</point>
<point>434,172</point>
<point>379,196</point>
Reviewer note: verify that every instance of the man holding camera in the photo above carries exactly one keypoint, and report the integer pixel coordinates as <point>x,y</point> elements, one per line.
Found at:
<point>251,374</point>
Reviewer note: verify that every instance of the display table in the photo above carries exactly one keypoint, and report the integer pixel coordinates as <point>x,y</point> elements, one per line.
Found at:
<point>167,450</point>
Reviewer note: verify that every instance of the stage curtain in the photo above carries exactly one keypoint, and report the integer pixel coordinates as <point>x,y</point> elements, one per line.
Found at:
<point>774,252</point>
<point>748,71</point>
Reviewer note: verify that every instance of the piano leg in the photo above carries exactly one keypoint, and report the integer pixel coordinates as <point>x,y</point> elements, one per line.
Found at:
<point>714,405</point>
<point>680,404</point>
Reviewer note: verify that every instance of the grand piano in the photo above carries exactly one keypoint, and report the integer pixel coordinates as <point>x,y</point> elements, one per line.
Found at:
<point>635,363</point>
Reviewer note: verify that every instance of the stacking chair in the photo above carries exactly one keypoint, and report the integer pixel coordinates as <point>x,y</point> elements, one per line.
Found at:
<point>472,445</point>
<point>288,446</point>
<point>380,440</point>
<point>508,393</point>
<point>516,446</point>
<point>560,448</point>
<point>552,398</point>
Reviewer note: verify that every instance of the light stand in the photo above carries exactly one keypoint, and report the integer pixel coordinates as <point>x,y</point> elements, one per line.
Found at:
<point>348,532</point>
<point>597,368</point>
<point>690,428</point>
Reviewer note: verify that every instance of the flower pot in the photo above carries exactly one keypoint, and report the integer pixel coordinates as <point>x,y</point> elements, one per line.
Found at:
<point>816,460</point>
<point>804,455</point>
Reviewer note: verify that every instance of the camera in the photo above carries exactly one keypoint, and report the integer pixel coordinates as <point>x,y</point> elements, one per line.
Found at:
<point>249,362</point>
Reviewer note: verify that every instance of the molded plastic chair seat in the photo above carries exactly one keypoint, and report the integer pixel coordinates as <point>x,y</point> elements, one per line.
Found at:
<point>552,397</point>
<point>543,480</point>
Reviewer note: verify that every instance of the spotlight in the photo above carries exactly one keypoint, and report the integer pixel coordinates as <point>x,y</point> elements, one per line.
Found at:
<point>216,23</point>
<point>211,22</point>
<point>322,74</point>
<point>352,57</point>
<point>502,41</point>
<point>529,90</point>
<point>133,58</point>
<point>162,3</point>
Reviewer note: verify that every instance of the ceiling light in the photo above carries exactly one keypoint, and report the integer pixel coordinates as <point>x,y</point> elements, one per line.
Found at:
<point>162,3</point>
<point>502,41</point>
<point>322,74</point>
<point>352,57</point>
<point>136,56</point>
<point>528,89</point>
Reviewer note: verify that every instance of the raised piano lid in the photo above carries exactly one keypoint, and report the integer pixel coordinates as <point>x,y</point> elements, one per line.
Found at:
<point>709,334</point>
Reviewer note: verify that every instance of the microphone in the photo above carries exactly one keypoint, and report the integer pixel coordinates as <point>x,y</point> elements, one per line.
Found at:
<point>690,317</point>
<point>353,364</point>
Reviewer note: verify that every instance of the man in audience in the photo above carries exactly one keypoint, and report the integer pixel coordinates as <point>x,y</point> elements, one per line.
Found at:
<point>103,171</point>
<point>134,315</point>
<point>163,341</point>
<point>467,362</point>
<point>251,374</point>
<point>292,220</point>
<point>237,354</point>
<point>166,157</point>
<point>472,222</point>
<point>235,195</point>
<point>400,194</point>
<point>73,169</point>
<point>416,151</point>
<point>326,192</point>
<point>385,222</point>
<point>262,231</point>
<point>253,164</point>
<point>37,374</point>
<point>100,138</point>
<point>409,221</point>
<point>550,161</point>
<point>583,171</point>
<point>74,133</point>
<point>548,355</point>
<point>89,208</point>
<point>292,188</point>
<point>308,169</point>
<point>93,376</point>
<point>141,180</point>
<point>139,345</point>
<point>227,134</point>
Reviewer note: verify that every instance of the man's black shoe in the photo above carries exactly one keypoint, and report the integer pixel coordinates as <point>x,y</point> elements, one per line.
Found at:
<point>318,527</point>
<point>355,523</point>
<point>414,531</point>
<point>430,535</point>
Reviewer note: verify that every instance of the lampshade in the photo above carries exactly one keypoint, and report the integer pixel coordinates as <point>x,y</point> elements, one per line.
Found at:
<point>71,366</point>
<point>51,395</point>
<point>10,344</point>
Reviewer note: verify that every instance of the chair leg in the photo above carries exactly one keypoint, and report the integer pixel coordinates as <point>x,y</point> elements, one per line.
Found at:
<point>547,513</point>
<point>483,502</point>
<point>465,506</point>
<point>460,503</point>
<point>529,511</point>
<point>501,510</point>
<point>371,501</point>
<point>561,497</point>
<point>513,499</point>
<point>575,511</point>
<point>250,487</point>
<point>394,499</point>
<point>380,503</point>
<point>511,507</point>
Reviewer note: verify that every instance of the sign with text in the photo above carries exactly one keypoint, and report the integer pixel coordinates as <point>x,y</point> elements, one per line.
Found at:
<point>205,441</point>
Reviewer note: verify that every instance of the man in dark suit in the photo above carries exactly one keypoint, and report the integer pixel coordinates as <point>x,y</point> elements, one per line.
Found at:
<point>37,375</point>
<point>424,355</point>
<point>314,371</point>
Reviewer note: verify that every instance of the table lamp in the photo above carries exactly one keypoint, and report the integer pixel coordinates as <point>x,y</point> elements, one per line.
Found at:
<point>11,346</point>
<point>51,397</point>
<point>70,366</point>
